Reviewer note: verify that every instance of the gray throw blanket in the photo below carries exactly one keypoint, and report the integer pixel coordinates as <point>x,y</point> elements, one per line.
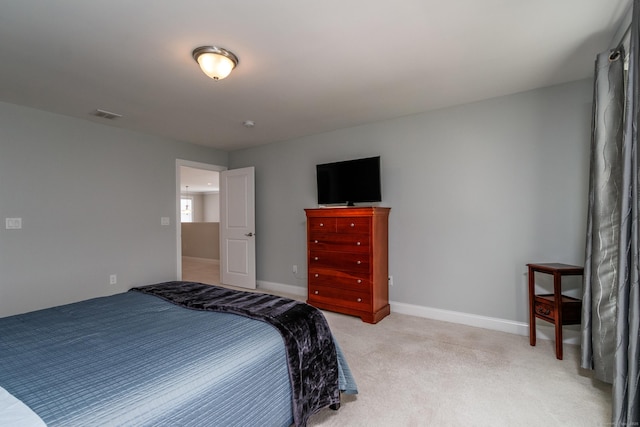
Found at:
<point>311,352</point>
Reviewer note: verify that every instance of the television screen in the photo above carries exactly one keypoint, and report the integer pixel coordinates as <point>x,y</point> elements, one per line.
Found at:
<point>349,182</point>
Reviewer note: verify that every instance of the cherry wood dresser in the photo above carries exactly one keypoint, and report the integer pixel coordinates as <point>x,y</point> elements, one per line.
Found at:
<point>347,258</point>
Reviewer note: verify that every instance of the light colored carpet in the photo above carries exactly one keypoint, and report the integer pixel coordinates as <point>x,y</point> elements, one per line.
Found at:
<point>412,371</point>
<point>418,372</point>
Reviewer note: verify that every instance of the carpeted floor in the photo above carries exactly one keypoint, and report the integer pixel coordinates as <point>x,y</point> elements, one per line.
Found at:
<point>419,372</point>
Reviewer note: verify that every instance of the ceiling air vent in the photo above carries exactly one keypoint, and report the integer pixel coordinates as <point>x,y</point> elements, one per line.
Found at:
<point>103,114</point>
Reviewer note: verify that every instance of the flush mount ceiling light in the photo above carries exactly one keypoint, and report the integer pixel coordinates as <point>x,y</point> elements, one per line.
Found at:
<point>215,62</point>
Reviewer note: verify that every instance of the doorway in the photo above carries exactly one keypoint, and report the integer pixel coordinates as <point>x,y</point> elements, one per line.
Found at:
<point>198,221</point>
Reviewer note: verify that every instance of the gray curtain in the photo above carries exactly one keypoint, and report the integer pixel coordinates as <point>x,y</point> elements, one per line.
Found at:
<point>611,300</point>
<point>603,222</point>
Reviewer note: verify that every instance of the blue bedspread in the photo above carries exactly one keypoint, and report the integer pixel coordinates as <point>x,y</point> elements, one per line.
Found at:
<point>172,366</point>
<point>311,353</point>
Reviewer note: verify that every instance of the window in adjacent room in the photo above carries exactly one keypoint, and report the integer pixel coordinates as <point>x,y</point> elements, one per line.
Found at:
<point>186,209</point>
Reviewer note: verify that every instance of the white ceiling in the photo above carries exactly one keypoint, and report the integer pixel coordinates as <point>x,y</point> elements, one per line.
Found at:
<point>193,180</point>
<point>305,66</point>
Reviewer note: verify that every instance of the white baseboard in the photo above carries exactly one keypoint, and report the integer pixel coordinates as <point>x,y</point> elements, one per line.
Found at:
<point>282,288</point>
<point>544,330</point>
<point>461,318</point>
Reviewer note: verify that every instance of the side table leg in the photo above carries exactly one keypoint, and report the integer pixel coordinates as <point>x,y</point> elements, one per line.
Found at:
<point>532,317</point>
<point>558,340</point>
<point>557,294</point>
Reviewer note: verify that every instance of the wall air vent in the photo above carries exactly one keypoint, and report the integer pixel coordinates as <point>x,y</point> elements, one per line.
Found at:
<point>103,114</point>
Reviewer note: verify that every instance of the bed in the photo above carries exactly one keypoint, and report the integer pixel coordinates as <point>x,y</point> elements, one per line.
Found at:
<point>142,358</point>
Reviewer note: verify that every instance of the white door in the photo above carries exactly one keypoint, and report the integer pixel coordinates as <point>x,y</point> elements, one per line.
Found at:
<point>237,228</point>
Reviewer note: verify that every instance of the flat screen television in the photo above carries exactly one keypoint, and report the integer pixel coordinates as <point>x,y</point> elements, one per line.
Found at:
<point>349,182</point>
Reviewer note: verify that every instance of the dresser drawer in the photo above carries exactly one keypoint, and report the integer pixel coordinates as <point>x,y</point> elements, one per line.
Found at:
<point>339,279</point>
<point>339,242</point>
<point>322,225</point>
<point>359,300</point>
<point>346,261</point>
<point>354,225</point>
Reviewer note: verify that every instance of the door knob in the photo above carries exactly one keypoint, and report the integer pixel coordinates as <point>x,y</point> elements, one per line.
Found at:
<point>249,234</point>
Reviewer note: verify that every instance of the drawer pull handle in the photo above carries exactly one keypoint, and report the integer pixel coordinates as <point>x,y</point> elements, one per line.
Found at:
<point>317,274</point>
<point>315,241</point>
<point>321,224</point>
<point>359,281</point>
<point>359,300</point>
<point>543,311</point>
<point>316,258</point>
<point>353,225</point>
<point>358,244</point>
<point>316,292</point>
<point>358,262</point>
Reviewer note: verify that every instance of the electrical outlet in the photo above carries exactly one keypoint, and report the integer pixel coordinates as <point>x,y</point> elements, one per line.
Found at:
<point>295,269</point>
<point>390,280</point>
<point>113,279</point>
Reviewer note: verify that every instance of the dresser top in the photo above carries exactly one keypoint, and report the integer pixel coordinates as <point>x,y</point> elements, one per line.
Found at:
<point>348,211</point>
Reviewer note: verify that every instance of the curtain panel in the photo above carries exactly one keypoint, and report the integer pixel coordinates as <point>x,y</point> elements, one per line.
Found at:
<point>611,297</point>
<point>603,221</point>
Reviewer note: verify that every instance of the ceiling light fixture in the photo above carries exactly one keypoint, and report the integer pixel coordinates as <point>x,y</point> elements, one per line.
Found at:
<point>215,62</point>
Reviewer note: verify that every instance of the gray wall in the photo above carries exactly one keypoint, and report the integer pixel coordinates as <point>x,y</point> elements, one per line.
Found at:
<point>90,197</point>
<point>476,191</point>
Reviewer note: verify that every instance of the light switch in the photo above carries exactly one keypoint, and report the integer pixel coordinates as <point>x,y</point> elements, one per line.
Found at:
<point>13,223</point>
<point>164,220</point>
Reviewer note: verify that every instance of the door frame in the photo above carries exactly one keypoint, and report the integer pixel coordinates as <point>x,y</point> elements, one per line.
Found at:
<point>195,165</point>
